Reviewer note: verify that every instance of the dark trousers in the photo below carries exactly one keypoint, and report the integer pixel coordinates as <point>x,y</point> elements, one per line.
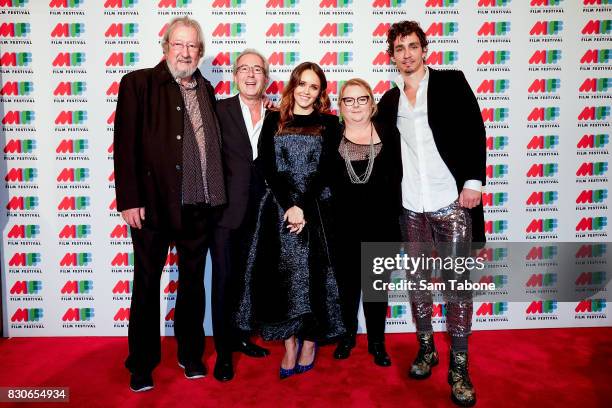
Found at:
<point>150,252</point>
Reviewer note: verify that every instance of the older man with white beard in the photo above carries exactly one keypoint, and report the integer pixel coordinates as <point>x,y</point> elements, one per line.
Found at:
<point>169,182</point>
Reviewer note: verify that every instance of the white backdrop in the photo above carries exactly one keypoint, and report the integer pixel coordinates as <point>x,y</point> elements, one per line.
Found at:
<point>540,69</point>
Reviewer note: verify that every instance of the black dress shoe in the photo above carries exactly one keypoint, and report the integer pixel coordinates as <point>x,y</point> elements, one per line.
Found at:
<point>251,349</point>
<point>381,358</point>
<point>193,369</point>
<point>141,382</point>
<point>343,349</point>
<point>224,370</point>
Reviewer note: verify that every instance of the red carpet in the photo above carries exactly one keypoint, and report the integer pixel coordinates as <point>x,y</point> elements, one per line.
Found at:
<point>514,368</point>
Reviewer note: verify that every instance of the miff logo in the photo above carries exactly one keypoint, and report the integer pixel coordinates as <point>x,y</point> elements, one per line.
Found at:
<point>27,315</point>
<point>123,287</point>
<point>113,89</point>
<point>68,30</point>
<point>545,3</point>
<point>123,259</point>
<point>25,259</point>
<point>493,86</point>
<point>281,3</point>
<point>173,3</point>
<point>388,3</point>
<point>13,3</point>
<point>541,306</point>
<point>591,251</point>
<point>492,309</point>
<point>20,146</point>
<point>335,3</point>
<point>71,118</point>
<point>171,287</point>
<point>496,227</point>
<point>592,196</point>
<point>441,3</point>
<point>544,114</point>
<point>275,88</point>
<point>26,288</point>
<point>226,88</point>
<point>225,58</point>
<point>229,30</point>
<point>23,203</point>
<point>494,199</point>
<point>396,311</point>
<point>543,142</point>
<point>334,86</point>
<point>75,231</point>
<point>592,169</point>
<point>78,314</point>
<point>65,3</point>
<point>122,59</point>
<point>14,30</point>
<point>494,28</point>
<point>69,59</point>
<point>122,30</point>
<point>120,231</point>
<point>336,30</point>
<point>493,254</point>
<point>497,170</point>
<point>18,118</point>
<point>336,58</point>
<point>381,30</point>
<point>542,279</point>
<point>592,224</point>
<point>283,30</point>
<point>539,253</point>
<point>438,310</point>
<point>16,59</point>
<point>120,3</point>
<point>80,287</point>
<point>596,57</point>
<point>595,85</point>
<point>284,58</point>
<point>591,278</point>
<point>545,85</point>
<point>442,29</point>
<point>24,231</point>
<point>227,3</point>
<point>383,86</point>
<point>495,114</point>
<point>23,88</point>
<point>493,3</point>
<point>20,175</point>
<point>170,316</point>
<point>543,170</point>
<point>72,146</point>
<point>382,58</point>
<point>590,306</point>
<point>123,314</point>
<point>76,259</point>
<point>593,141</point>
<point>597,27</point>
<point>546,28</point>
<point>498,280</point>
<point>542,225</point>
<point>595,2</point>
<point>497,142</point>
<point>545,57</point>
<point>542,198</point>
<point>594,113</point>
<point>493,58</point>
<point>72,203</point>
<point>70,88</point>
<point>442,58</point>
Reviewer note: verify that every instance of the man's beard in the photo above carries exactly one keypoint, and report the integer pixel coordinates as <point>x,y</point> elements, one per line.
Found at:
<point>183,73</point>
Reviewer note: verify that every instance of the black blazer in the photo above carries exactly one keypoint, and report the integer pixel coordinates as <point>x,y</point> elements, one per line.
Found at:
<point>458,130</point>
<point>148,144</point>
<point>238,164</point>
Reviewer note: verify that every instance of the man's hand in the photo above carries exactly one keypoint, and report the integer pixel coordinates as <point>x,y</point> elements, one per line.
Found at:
<point>469,198</point>
<point>134,217</point>
<point>268,104</point>
<point>295,218</point>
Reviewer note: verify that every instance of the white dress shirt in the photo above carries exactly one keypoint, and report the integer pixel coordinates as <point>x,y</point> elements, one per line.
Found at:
<point>427,183</point>
<point>253,131</point>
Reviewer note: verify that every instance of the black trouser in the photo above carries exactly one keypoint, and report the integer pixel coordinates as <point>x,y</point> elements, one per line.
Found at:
<point>150,252</point>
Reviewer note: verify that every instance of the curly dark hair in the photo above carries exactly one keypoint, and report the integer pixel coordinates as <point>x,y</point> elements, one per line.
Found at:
<point>402,29</point>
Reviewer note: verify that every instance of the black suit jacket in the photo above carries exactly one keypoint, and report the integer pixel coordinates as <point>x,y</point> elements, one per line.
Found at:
<point>238,164</point>
<point>458,130</point>
<point>148,145</point>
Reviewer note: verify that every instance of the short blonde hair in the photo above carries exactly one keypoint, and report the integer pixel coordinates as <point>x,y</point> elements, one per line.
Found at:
<point>362,83</point>
<point>186,22</point>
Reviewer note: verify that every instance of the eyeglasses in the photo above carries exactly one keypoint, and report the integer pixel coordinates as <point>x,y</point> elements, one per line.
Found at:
<point>361,100</point>
<point>178,46</point>
<point>245,69</point>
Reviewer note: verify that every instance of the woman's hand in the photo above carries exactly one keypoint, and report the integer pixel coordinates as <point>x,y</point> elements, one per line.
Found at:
<point>294,216</point>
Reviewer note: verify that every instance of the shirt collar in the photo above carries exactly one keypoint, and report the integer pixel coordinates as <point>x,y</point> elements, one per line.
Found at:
<point>245,107</point>
<point>399,79</point>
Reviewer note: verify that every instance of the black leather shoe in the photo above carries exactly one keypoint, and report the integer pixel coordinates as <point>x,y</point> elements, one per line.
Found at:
<point>251,349</point>
<point>224,370</point>
<point>193,369</point>
<point>141,383</point>
<point>343,349</point>
<point>381,358</point>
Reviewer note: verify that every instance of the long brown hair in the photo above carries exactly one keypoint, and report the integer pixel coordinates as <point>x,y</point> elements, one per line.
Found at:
<point>322,103</point>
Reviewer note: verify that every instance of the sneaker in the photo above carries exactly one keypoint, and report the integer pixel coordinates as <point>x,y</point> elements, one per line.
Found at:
<point>193,370</point>
<point>141,383</point>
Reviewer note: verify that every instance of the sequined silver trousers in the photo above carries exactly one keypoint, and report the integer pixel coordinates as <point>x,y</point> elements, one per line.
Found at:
<point>445,232</point>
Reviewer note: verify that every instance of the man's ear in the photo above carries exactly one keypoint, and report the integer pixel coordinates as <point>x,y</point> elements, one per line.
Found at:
<point>424,53</point>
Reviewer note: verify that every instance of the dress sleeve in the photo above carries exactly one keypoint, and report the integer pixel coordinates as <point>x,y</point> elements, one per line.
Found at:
<point>332,134</point>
